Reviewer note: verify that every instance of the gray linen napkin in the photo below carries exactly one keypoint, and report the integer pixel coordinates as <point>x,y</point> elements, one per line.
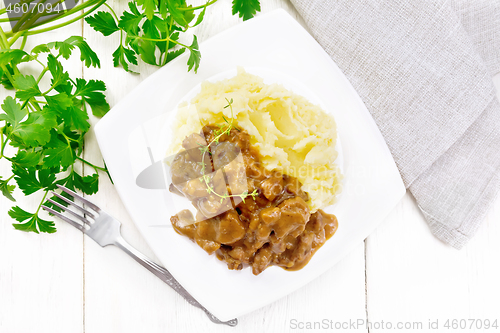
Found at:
<point>423,69</point>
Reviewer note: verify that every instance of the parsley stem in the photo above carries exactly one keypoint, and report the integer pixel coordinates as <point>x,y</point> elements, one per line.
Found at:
<point>7,73</point>
<point>163,40</point>
<point>66,14</point>
<point>35,18</point>
<point>117,20</point>
<point>4,42</point>
<point>27,16</point>
<point>29,107</point>
<point>50,89</point>
<point>187,9</point>
<point>4,143</point>
<point>1,140</point>
<point>80,7</point>
<point>92,165</point>
<point>41,203</point>
<point>34,104</point>
<point>168,41</point>
<point>38,61</point>
<point>112,12</point>
<point>42,73</point>
<point>15,37</point>
<point>23,42</point>
<point>57,26</point>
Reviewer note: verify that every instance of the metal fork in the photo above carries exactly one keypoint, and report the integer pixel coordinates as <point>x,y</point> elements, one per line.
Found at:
<point>105,230</point>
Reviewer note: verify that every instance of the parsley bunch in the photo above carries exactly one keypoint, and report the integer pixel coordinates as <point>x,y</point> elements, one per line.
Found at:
<point>153,32</point>
<point>46,127</point>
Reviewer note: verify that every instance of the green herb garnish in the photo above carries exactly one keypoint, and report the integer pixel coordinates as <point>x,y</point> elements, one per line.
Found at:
<point>153,34</point>
<point>45,127</point>
<point>224,129</point>
<point>42,129</point>
<point>246,9</point>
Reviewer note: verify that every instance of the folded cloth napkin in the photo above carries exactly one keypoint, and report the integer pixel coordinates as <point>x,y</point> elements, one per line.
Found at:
<point>424,70</point>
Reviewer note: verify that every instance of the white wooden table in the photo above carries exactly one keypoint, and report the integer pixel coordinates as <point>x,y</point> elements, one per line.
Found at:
<point>400,275</point>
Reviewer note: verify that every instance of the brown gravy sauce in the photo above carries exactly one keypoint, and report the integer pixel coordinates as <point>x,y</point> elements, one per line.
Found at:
<point>274,228</point>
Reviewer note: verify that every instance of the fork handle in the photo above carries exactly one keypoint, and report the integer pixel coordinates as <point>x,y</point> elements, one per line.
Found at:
<point>166,277</point>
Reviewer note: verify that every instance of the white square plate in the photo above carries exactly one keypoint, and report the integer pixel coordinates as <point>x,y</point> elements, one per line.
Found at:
<point>132,134</point>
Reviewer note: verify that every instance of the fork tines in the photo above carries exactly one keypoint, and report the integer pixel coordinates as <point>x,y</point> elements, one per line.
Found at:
<point>77,225</point>
<point>79,197</point>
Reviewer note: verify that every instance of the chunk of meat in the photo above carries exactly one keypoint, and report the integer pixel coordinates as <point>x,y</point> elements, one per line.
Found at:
<point>183,168</point>
<point>192,144</point>
<point>230,228</point>
<point>272,186</point>
<point>224,153</point>
<point>294,216</point>
<point>262,259</point>
<point>274,227</point>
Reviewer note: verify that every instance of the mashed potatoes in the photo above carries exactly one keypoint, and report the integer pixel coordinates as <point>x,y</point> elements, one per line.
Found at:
<point>292,135</point>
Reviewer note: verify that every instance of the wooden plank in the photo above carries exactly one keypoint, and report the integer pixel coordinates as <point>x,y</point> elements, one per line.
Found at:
<point>121,296</point>
<point>41,276</point>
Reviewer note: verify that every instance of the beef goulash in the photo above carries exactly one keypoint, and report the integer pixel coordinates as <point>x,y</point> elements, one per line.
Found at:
<point>272,227</point>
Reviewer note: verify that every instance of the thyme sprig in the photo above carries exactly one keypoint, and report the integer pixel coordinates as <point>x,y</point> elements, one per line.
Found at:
<point>206,149</point>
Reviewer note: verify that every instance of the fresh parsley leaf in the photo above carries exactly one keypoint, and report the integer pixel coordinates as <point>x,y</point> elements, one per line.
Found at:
<point>174,54</point>
<point>45,118</point>
<point>26,87</point>
<point>123,56</point>
<point>149,7</point>
<point>103,22</point>
<point>31,180</point>
<point>36,129</point>
<point>200,17</point>
<point>27,158</point>
<point>7,189</point>
<point>91,93</point>
<point>194,56</point>
<point>88,184</point>
<point>130,21</point>
<point>34,223</point>
<point>71,114</point>
<point>13,112</point>
<point>12,57</point>
<point>22,134</point>
<point>162,8</point>
<point>147,51</point>
<point>32,134</point>
<point>65,48</point>
<point>181,17</point>
<point>19,214</point>
<point>153,27</point>
<point>59,154</point>
<point>4,79</point>
<point>246,9</point>
<point>42,48</point>
<point>59,102</point>
<point>59,76</point>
